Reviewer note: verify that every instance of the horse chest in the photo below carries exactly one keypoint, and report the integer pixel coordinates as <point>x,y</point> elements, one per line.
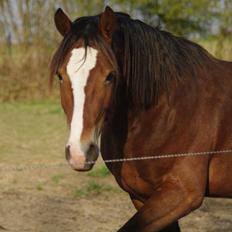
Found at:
<point>133,183</point>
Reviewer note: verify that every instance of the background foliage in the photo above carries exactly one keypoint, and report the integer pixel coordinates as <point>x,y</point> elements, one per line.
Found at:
<point>28,37</point>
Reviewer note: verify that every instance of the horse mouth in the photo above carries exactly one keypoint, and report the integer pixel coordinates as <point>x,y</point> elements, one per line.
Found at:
<point>82,162</point>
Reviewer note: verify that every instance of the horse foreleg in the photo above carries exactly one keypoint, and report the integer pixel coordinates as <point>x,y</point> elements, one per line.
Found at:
<point>133,227</point>
<point>169,203</point>
<point>174,227</point>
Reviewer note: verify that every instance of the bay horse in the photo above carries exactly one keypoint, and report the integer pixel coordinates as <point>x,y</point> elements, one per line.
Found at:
<point>145,92</point>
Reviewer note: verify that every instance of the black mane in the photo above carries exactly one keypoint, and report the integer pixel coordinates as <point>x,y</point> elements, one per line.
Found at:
<point>147,58</point>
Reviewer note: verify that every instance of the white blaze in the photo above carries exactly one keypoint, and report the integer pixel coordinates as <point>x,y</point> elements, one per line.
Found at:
<point>78,70</point>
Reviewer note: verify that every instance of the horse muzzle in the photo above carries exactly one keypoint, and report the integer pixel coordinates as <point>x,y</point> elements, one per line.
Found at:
<point>81,161</point>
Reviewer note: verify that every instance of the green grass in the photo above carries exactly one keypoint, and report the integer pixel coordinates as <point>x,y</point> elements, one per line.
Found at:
<point>79,193</point>
<point>91,188</point>
<point>56,179</point>
<point>39,187</point>
<point>101,171</point>
<point>32,132</point>
<point>94,187</point>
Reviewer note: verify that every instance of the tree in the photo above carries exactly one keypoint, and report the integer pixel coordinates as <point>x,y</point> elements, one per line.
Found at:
<point>181,17</point>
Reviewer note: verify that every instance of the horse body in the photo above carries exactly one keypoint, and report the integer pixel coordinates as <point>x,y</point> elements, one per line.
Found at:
<point>180,102</point>
<point>185,126</point>
<point>176,127</point>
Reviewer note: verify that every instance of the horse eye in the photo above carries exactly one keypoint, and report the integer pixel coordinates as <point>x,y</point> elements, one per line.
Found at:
<point>109,78</point>
<point>60,77</point>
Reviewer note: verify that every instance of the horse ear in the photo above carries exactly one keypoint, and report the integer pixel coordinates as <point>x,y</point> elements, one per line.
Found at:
<point>62,21</point>
<point>107,23</point>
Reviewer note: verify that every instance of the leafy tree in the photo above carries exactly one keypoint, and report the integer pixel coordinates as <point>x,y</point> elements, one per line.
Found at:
<point>182,17</point>
<point>225,18</point>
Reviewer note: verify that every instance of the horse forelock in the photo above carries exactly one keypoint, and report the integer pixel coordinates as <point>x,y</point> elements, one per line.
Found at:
<point>84,30</point>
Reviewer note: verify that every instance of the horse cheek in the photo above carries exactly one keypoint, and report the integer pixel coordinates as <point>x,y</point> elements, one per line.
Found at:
<point>107,98</point>
<point>66,102</point>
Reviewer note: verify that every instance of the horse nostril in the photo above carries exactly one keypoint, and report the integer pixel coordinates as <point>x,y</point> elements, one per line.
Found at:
<point>92,151</point>
<point>92,146</point>
<point>67,153</point>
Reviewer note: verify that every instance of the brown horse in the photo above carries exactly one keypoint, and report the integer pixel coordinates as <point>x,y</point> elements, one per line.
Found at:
<point>146,92</point>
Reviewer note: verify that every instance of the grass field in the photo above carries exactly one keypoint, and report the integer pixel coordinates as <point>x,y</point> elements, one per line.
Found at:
<point>40,193</point>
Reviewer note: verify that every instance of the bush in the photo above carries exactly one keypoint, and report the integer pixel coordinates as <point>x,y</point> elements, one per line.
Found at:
<point>24,74</point>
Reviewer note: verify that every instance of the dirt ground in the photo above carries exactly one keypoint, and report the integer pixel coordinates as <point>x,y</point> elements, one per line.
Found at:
<point>54,206</point>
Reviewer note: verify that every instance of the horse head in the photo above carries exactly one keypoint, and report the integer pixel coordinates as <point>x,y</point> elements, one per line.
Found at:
<point>87,71</point>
